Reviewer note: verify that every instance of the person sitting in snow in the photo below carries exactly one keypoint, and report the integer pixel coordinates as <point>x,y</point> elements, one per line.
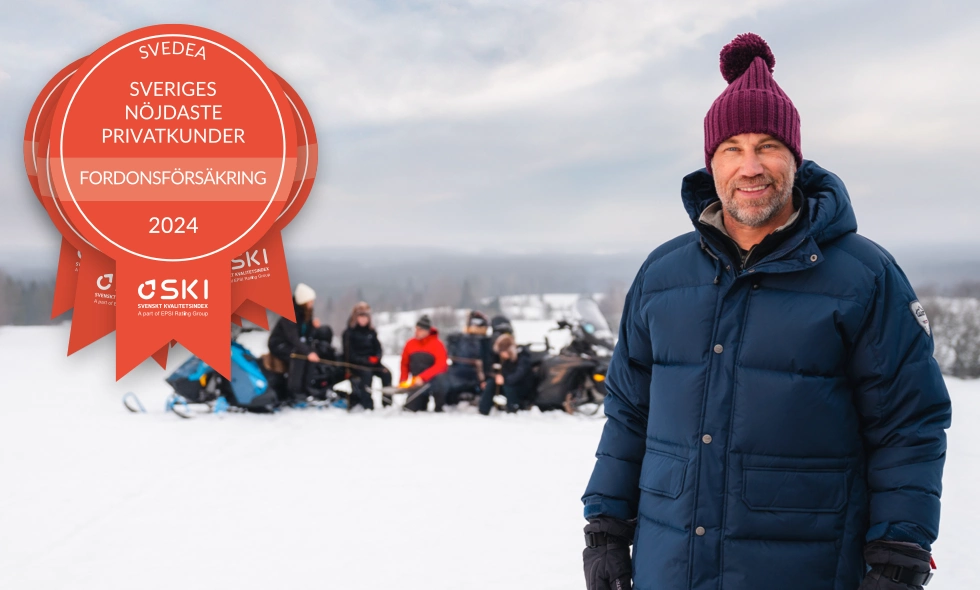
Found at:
<point>304,337</point>
<point>499,325</point>
<point>470,353</point>
<point>423,359</point>
<point>512,377</point>
<point>362,353</point>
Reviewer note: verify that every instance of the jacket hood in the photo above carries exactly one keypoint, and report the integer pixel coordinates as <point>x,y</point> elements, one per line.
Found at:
<point>828,209</point>
<point>361,307</point>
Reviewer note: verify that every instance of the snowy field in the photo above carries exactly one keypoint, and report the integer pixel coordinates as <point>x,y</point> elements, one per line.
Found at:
<point>92,497</point>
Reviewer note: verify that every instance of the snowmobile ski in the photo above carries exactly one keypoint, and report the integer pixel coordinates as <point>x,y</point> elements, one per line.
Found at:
<point>133,403</point>
<point>178,405</point>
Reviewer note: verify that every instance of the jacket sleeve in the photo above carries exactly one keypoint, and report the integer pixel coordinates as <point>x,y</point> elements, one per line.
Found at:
<point>284,340</point>
<point>904,409</point>
<point>452,343</point>
<point>406,352</point>
<point>376,349</point>
<point>486,347</point>
<point>614,487</point>
<point>521,369</point>
<point>439,352</point>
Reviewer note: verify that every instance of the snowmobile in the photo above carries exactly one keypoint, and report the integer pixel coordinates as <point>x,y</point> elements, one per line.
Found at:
<point>574,379</point>
<point>196,383</point>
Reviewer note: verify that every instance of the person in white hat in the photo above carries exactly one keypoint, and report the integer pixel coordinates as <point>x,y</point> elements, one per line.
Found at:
<point>297,337</point>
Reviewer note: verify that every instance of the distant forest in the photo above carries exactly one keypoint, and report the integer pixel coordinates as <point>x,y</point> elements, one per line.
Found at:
<point>414,282</point>
<point>397,281</point>
<point>26,302</point>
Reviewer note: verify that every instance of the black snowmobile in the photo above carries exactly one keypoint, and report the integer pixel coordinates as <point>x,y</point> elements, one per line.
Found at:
<point>574,379</point>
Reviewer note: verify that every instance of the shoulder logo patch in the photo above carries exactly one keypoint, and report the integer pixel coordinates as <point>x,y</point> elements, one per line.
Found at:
<point>920,316</point>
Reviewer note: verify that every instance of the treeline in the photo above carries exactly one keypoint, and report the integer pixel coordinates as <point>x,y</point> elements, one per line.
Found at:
<point>393,281</point>
<point>334,307</point>
<point>26,302</point>
<point>955,325</point>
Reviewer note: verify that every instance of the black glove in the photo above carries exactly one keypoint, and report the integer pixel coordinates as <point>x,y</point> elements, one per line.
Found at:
<point>607,554</point>
<point>896,566</point>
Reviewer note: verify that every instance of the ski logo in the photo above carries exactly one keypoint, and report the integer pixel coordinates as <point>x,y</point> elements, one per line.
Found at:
<point>250,259</point>
<point>106,285</point>
<point>919,313</point>
<point>186,289</point>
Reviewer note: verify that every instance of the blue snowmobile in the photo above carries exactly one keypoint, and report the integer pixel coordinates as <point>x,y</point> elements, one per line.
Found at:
<point>195,382</point>
<point>251,388</point>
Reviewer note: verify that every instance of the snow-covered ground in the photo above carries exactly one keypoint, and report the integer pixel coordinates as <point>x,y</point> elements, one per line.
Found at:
<point>92,497</point>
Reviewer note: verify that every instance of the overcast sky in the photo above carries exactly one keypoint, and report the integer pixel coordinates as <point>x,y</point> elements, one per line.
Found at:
<point>535,125</point>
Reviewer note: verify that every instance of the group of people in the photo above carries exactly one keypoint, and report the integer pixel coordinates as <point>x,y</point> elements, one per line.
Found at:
<point>475,365</point>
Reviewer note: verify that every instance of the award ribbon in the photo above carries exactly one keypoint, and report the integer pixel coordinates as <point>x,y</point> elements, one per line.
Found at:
<point>172,149</point>
<point>260,279</point>
<point>66,278</point>
<point>93,294</point>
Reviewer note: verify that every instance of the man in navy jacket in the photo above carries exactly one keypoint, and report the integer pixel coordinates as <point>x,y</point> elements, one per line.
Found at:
<point>776,420</point>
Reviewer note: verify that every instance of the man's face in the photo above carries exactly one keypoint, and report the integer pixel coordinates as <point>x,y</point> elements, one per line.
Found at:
<point>421,333</point>
<point>753,177</point>
<point>363,320</point>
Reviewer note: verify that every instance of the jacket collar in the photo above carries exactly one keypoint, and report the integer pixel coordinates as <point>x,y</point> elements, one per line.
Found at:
<point>825,215</point>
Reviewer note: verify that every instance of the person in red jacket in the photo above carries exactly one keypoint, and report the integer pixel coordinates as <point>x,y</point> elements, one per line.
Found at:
<point>423,358</point>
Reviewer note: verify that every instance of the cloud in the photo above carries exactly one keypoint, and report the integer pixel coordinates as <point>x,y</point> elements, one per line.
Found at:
<point>474,59</point>
<point>537,124</point>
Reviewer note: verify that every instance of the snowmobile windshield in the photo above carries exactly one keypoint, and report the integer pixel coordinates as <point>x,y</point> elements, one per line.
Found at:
<point>588,311</point>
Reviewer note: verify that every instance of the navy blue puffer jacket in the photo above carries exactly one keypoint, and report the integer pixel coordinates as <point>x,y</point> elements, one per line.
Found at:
<point>764,423</point>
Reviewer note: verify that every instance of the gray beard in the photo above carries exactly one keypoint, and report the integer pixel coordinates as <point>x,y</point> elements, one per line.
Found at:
<point>755,216</point>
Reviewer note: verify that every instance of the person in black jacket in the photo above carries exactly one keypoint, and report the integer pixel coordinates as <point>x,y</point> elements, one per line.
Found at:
<point>303,337</point>
<point>471,356</point>
<point>362,352</point>
<point>513,377</point>
<point>499,326</point>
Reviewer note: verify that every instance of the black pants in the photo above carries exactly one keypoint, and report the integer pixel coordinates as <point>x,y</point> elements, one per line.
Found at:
<point>277,383</point>
<point>516,395</point>
<point>445,388</point>
<point>305,379</point>
<point>360,384</point>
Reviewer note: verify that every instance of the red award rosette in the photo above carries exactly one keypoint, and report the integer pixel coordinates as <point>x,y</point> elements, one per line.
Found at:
<point>93,291</point>
<point>67,274</point>
<point>173,149</point>
<point>259,277</point>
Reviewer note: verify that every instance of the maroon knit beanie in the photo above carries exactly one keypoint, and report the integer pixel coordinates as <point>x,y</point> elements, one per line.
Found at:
<point>753,102</point>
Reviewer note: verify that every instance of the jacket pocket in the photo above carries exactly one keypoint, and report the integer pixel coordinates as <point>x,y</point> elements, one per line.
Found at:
<point>794,490</point>
<point>663,474</point>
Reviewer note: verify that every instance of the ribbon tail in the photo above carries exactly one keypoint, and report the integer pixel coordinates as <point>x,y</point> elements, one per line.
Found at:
<point>66,280</point>
<point>159,302</point>
<point>95,300</point>
<point>254,313</point>
<point>160,356</point>
<point>261,277</point>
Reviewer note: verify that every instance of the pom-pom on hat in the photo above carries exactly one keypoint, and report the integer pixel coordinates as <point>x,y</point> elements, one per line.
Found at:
<point>753,102</point>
